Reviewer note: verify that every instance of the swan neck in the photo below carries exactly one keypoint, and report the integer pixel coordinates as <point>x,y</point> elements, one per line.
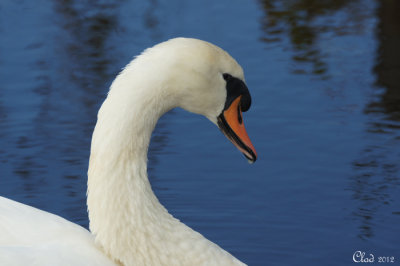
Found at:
<point>126,218</point>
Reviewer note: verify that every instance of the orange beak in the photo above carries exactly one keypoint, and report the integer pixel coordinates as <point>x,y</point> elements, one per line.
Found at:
<point>231,124</point>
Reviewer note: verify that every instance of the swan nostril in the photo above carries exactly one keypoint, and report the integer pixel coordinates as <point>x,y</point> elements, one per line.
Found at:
<point>240,119</point>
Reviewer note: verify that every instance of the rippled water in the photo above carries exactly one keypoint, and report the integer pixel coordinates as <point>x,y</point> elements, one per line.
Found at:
<point>325,119</point>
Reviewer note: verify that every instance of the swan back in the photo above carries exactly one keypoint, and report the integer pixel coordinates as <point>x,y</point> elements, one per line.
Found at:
<point>29,236</point>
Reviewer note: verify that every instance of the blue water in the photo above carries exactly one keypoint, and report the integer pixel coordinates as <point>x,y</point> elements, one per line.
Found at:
<point>325,120</point>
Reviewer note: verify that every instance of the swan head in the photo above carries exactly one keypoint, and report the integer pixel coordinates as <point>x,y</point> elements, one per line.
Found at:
<point>206,80</point>
<point>200,78</point>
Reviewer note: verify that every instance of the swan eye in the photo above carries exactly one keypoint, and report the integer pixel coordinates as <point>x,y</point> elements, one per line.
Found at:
<point>226,76</point>
<point>235,87</point>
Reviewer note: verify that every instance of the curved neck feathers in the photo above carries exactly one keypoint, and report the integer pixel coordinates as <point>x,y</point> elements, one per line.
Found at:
<point>125,216</point>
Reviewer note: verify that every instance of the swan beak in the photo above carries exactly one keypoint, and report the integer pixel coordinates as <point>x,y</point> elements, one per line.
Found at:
<point>230,122</point>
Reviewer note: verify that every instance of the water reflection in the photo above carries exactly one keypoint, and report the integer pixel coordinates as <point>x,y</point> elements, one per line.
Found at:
<point>87,27</point>
<point>388,68</point>
<point>63,64</point>
<point>303,22</point>
<point>91,58</point>
<point>151,21</point>
<point>54,78</point>
<point>69,71</point>
<point>378,169</point>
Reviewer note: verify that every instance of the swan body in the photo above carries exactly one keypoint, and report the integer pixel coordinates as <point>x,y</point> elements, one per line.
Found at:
<point>128,224</point>
<point>29,236</point>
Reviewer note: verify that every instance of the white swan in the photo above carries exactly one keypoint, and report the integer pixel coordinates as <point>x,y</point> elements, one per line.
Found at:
<point>129,226</point>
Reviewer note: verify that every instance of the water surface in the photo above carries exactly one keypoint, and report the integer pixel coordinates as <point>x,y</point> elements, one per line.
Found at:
<point>325,119</point>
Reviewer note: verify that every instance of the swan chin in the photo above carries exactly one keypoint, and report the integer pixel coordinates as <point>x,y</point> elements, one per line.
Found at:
<point>128,224</point>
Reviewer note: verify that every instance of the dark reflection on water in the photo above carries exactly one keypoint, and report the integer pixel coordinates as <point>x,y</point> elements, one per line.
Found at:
<point>388,66</point>
<point>304,21</point>
<point>378,169</point>
<point>54,87</point>
<point>89,57</point>
<point>151,20</point>
<point>84,68</point>
<point>66,79</point>
<point>88,54</point>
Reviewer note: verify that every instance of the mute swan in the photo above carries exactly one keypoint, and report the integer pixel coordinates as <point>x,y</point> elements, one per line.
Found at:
<point>128,224</point>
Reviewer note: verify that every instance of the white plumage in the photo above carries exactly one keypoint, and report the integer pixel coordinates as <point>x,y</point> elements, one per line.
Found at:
<point>29,236</point>
<point>129,226</point>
